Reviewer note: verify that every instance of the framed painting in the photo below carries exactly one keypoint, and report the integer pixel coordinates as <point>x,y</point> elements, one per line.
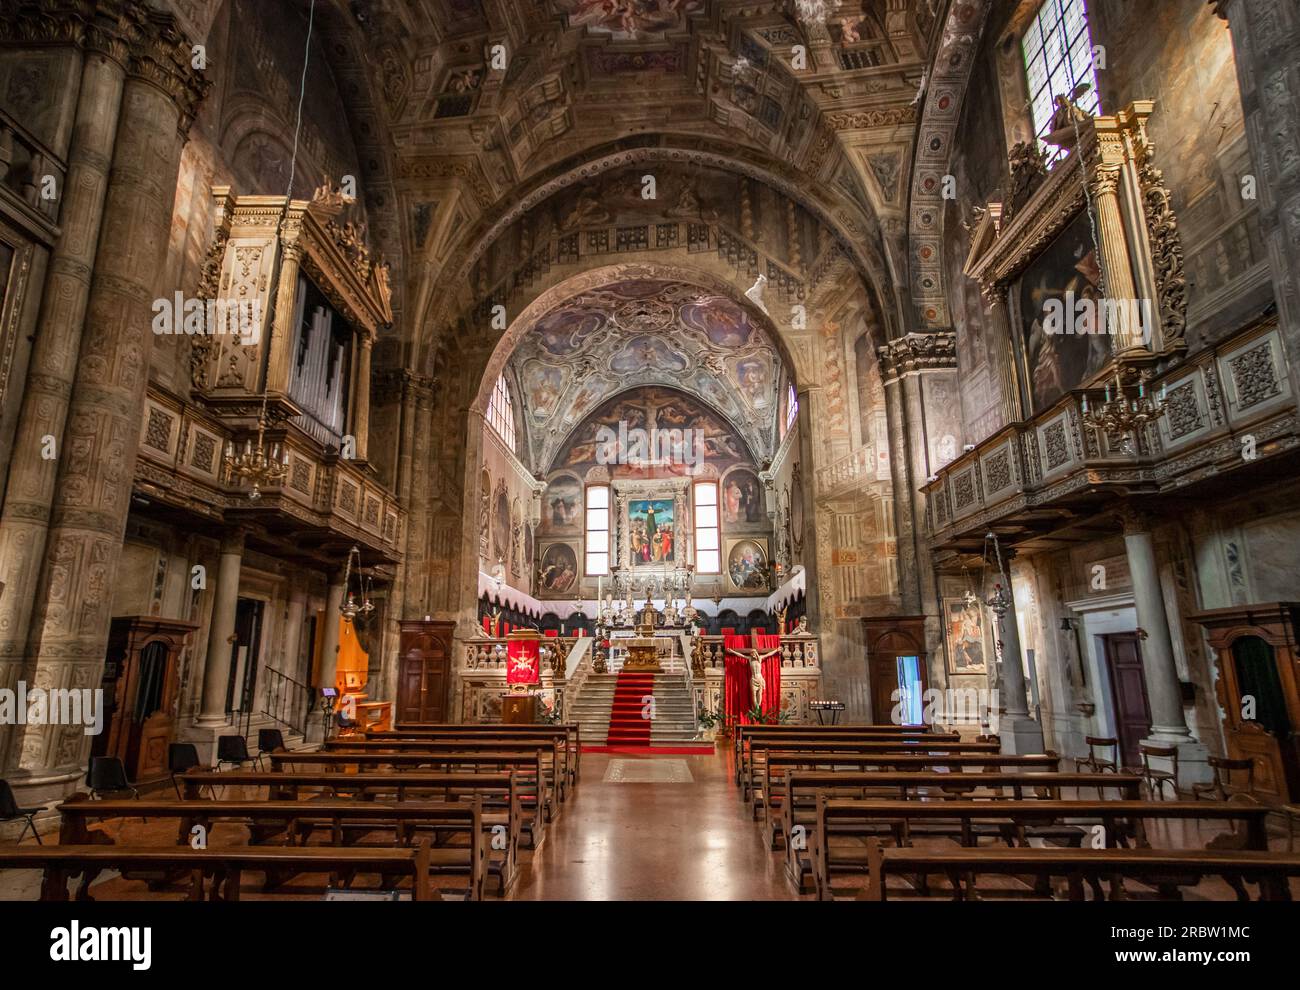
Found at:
<point>651,529</point>
<point>746,563</point>
<point>964,635</point>
<point>557,574</point>
<point>1065,274</point>
<point>742,499</point>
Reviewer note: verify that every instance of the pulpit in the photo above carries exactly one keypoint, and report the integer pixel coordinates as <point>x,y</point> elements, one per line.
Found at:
<point>1259,690</point>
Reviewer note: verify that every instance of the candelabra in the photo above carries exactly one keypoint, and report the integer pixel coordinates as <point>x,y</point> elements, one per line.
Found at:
<point>1124,412</point>
<point>258,464</point>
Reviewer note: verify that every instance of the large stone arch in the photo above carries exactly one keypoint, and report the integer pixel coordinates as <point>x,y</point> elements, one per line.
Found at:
<point>857,233</point>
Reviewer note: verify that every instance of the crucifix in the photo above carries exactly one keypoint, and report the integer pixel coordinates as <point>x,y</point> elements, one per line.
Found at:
<point>757,684</point>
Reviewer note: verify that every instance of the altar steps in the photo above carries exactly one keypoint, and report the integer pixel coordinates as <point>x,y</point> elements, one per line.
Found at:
<point>610,717</point>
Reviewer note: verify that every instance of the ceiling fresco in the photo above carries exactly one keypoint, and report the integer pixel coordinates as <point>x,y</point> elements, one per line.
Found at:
<point>651,408</point>
<point>645,332</point>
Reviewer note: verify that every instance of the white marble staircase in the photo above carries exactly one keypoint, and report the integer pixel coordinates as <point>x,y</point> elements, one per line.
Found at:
<point>674,721</point>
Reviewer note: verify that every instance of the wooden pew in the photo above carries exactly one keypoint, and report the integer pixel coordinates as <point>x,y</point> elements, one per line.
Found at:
<point>527,763</point>
<point>760,751</point>
<point>798,804</point>
<point>1121,820</point>
<point>1048,762</point>
<point>224,865</point>
<point>552,748</point>
<point>570,731</point>
<point>499,793</point>
<point>295,822</point>
<point>1164,869</point>
<point>749,754</point>
<point>741,734</point>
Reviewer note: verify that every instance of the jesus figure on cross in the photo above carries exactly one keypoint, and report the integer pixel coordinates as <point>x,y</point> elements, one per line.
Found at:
<point>757,683</point>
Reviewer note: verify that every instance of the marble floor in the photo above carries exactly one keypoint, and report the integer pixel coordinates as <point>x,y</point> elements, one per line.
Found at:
<point>669,839</point>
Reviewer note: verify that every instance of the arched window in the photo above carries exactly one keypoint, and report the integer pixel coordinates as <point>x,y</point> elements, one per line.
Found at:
<point>791,406</point>
<point>501,412</point>
<point>1057,50</point>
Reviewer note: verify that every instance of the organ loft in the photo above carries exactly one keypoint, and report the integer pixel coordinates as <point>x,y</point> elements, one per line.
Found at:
<point>454,449</point>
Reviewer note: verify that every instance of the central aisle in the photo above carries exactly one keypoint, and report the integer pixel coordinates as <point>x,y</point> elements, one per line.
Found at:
<point>621,840</point>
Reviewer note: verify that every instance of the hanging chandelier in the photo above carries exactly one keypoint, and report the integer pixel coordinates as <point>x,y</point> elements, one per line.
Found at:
<point>260,464</point>
<point>350,608</point>
<point>1124,411</point>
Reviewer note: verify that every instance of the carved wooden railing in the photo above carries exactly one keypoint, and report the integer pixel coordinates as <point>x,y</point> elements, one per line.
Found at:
<point>1225,406</point>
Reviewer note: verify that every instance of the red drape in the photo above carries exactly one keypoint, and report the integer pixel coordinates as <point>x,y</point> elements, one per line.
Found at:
<point>735,687</point>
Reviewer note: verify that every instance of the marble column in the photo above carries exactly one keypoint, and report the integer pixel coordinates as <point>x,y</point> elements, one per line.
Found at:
<point>1159,671</point>
<point>1266,44</point>
<point>73,602</point>
<point>1019,732</point>
<point>329,657</point>
<point>30,488</point>
<point>293,653</point>
<point>221,631</point>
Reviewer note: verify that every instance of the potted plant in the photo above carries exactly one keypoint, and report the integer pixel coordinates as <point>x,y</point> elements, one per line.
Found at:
<point>713,725</point>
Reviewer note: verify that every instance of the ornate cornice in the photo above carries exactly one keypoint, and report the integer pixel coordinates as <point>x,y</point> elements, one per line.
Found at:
<point>931,351</point>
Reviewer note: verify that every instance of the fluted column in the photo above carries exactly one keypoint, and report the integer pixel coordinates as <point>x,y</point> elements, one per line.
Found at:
<point>279,362</point>
<point>1105,167</point>
<point>361,415</point>
<point>92,492</point>
<point>43,413</point>
<point>221,631</point>
<point>1002,352</point>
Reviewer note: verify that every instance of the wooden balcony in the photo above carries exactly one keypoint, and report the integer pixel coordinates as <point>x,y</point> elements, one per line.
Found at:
<point>1230,420</point>
<point>320,509</point>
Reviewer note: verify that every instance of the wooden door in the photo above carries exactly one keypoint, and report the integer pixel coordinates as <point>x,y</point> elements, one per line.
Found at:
<point>424,673</point>
<point>888,639</point>
<point>1128,688</point>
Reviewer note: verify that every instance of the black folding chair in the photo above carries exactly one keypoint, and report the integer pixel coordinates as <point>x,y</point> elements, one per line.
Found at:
<point>10,812</point>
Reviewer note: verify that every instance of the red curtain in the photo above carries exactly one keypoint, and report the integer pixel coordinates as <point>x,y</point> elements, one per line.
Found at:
<point>735,685</point>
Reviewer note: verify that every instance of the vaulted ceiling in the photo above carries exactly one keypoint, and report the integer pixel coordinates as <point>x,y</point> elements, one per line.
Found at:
<point>483,102</point>
<point>645,332</point>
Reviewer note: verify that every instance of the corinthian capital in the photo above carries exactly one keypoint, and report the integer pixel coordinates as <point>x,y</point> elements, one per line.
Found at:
<point>164,57</point>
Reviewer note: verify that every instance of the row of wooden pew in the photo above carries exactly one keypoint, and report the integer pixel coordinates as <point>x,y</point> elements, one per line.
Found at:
<point>438,810</point>
<point>877,811</point>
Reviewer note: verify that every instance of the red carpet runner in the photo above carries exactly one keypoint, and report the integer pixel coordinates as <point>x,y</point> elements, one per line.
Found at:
<point>627,724</point>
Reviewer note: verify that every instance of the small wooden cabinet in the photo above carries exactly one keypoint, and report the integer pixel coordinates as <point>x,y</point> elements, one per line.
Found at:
<point>424,671</point>
<point>1259,676</point>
